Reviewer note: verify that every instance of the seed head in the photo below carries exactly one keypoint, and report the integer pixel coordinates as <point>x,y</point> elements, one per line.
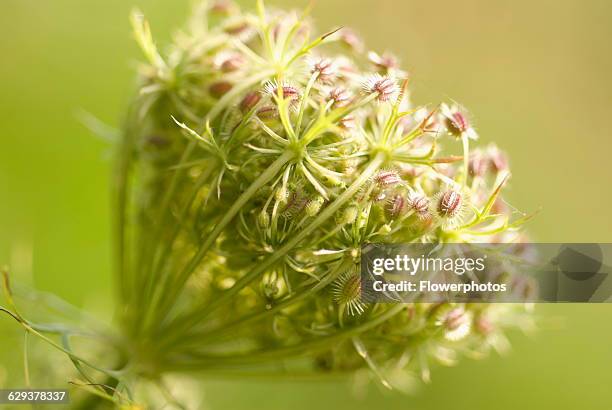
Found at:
<point>385,87</point>
<point>457,122</point>
<point>397,206</point>
<point>340,97</point>
<point>347,292</point>
<point>449,204</point>
<point>287,90</point>
<point>281,194</point>
<point>324,69</point>
<point>387,178</point>
<point>419,204</point>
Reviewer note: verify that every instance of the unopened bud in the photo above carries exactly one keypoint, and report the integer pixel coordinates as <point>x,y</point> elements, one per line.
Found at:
<point>249,101</point>
<point>387,178</point>
<point>449,204</point>
<point>219,89</point>
<point>349,215</point>
<point>281,194</point>
<point>314,206</point>
<point>263,219</point>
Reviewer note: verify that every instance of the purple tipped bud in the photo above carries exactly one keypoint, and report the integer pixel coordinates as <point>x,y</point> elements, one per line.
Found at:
<point>223,7</point>
<point>288,91</point>
<point>484,326</point>
<point>449,204</point>
<point>324,69</point>
<point>347,123</point>
<point>219,89</point>
<point>228,62</point>
<point>458,123</point>
<point>383,62</point>
<point>340,96</point>
<point>385,87</point>
<point>478,164</point>
<point>397,206</point>
<point>351,39</point>
<point>420,205</point>
<point>497,159</point>
<point>387,178</point>
<point>267,112</point>
<point>249,101</point>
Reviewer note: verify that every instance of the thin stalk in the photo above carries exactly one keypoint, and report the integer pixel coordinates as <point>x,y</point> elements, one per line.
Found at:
<point>174,290</point>
<point>186,322</point>
<point>161,217</point>
<point>162,255</point>
<point>301,295</point>
<point>312,346</point>
<point>122,184</point>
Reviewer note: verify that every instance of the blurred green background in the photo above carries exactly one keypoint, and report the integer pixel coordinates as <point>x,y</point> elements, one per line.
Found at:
<point>535,74</point>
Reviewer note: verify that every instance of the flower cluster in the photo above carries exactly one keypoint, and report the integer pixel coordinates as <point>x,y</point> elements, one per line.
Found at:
<point>257,160</point>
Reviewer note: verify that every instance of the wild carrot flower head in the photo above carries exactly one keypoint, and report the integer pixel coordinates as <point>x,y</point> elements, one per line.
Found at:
<point>239,242</point>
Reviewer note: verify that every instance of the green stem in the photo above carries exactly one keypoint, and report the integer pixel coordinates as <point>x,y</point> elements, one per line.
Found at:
<point>171,292</point>
<point>200,313</point>
<point>311,346</point>
<point>300,295</point>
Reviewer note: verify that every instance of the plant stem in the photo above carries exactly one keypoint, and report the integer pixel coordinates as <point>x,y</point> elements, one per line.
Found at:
<point>174,290</point>
<point>187,321</point>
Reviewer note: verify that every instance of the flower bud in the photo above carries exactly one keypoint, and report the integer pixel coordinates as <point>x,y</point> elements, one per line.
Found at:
<point>351,39</point>
<point>347,292</point>
<point>267,112</point>
<point>263,219</point>
<point>324,69</point>
<point>457,324</point>
<point>349,215</point>
<point>384,62</point>
<point>397,206</point>
<point>477,164</point>
<point>219,89</point>
<point>449,204</point>
<point>228,62</point>
<point>497,159</point>
<point>314,206</point>
<point>387,178</point>
<point>249,101</point>
<point>281,194</point>
<point>385,87</point>
<point>288,91</point>
<point>420,205</point>
<point>340,97</point>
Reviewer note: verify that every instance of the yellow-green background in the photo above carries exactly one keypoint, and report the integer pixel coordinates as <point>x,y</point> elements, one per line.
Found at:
<point>535,74</point>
